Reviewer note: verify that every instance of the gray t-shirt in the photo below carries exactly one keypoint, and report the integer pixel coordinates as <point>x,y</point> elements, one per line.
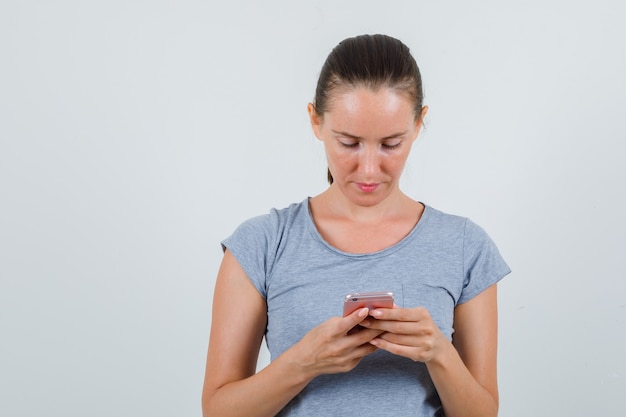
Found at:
<point>444,261</point>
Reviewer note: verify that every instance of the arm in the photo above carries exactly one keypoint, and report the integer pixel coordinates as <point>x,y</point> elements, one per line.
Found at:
<point>466,379</point>
<point>239,318</point>
<point>238,323</point>
<point>464,371</point>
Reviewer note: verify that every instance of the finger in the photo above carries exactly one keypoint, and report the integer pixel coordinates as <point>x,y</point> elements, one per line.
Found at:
<point>364,335</point>
<point>396,349</point>
<point>352,319</point>
<point>363,350</point>
<point>392,326</point>
<point>400,314</point>
<point>406,340</point>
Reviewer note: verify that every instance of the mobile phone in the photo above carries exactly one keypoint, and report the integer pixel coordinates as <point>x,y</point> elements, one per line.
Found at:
<point>379,299</point>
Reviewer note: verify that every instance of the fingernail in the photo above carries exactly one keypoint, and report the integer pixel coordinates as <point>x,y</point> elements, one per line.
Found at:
<point>363,312</point>
<point>365,322</point>
<point>376,313</point>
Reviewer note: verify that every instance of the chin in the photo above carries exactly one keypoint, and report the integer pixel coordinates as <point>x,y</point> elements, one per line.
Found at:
<point>368,200</point>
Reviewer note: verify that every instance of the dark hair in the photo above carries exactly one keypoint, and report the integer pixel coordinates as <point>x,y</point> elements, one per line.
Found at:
<point>371,61</point>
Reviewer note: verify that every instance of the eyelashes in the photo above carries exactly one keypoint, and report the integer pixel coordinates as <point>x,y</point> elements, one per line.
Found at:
<point>385,146</point>
<point>349,145</point>
<point>391,147</point>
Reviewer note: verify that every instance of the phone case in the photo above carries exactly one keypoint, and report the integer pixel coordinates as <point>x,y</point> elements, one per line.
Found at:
<point>371,300</point>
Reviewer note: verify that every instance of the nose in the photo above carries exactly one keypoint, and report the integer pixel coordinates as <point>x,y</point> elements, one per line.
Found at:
<point>369,160</point>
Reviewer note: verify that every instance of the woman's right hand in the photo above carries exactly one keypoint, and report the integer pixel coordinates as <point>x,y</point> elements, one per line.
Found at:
<point>236,335</point>
<point>331,348</point>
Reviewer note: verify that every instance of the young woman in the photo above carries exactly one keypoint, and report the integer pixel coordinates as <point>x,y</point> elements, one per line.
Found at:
<point>284,274</point>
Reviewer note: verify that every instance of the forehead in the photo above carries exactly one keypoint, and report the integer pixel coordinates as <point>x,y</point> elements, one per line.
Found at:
<point>364,108</point>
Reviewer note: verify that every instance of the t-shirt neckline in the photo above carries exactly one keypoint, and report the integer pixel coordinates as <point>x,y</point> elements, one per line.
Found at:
<point>383,252</point>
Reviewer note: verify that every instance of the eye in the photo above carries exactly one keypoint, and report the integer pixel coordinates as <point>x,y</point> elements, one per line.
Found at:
<point>348,144</point>
<point>390,146</point>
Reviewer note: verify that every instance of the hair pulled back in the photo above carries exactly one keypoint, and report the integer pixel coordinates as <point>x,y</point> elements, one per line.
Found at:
<point>372,61</point>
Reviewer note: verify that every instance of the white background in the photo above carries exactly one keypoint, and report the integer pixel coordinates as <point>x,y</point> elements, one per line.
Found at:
<point>135,135</point>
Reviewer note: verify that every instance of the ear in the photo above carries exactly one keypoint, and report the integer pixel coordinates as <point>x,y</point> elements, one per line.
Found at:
<point>420,122</point>
<point>316,120</point>
<point>422,116</point>
<point>424,112</point>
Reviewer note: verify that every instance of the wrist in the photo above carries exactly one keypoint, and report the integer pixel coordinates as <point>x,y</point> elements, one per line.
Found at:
<point>445,354</point>
<point>294,367</point>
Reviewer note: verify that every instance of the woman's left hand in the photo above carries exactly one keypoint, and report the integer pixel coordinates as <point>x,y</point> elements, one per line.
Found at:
<point>409,332</point>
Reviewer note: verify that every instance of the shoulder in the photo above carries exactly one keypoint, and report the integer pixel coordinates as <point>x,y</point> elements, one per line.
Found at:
<point>256,242</point>
<point>482,264</point>
<point>458,234</point>
<point>445,223</point>
<point>445,228</point>
<point>267,227</point>
<point>278,217</point>
<point>442,219</point>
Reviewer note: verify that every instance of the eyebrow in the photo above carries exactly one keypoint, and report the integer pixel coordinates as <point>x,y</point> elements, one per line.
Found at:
<point>348,135</point>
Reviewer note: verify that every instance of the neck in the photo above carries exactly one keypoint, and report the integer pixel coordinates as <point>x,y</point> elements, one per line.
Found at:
<point>339,206</point>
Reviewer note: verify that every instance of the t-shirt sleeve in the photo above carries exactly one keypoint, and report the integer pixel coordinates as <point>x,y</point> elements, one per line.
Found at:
<point>483,265</point>
<point>250,244</point>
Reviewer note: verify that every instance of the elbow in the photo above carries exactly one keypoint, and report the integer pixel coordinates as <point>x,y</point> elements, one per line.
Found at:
<point>206,402</point>
<point>492,408</point>
<point>496,404</point>
<point>205,405</point>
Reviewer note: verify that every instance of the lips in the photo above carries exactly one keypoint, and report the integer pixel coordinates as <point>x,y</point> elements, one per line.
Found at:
<point>367,187</point>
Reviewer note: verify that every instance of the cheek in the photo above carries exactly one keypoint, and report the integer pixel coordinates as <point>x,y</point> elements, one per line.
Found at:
<point>397,162</point>
<point>341,161</point>
<point>393,166</point>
